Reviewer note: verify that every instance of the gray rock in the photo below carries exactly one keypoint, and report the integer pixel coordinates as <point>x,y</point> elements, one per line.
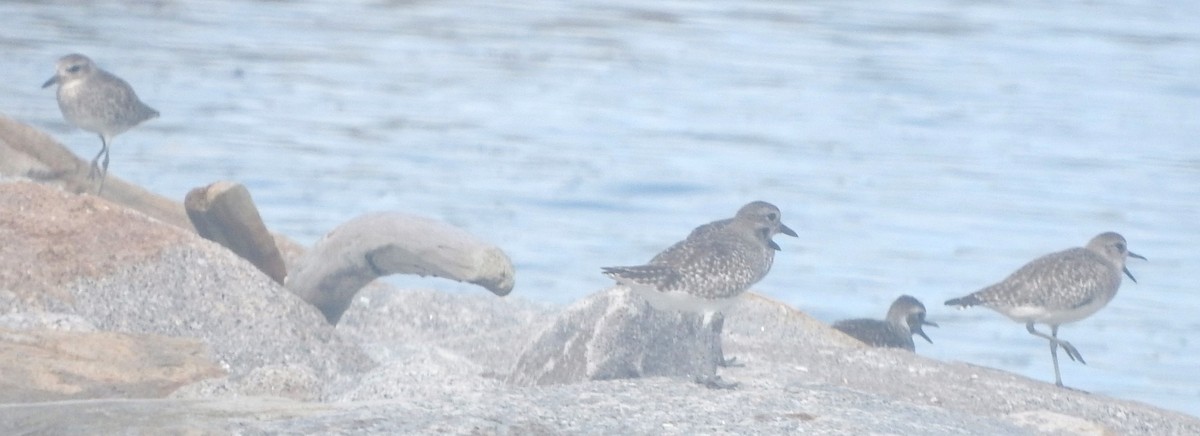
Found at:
<point>799,376</point>
<point>146,277</point>
<point>45,320</point>
<point>1054,423</point>
<point>612,335</point>
<point>407,376</point>
<point>652,406</point>
<point>296,382</point>
<point>389,322</point>
<point>203,291</point>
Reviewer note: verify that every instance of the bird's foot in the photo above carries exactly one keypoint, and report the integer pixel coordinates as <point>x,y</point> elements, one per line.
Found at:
<point>1059,384</point>
<point>715,382</point>
<point>729,363</point>
<point>1072,352</point>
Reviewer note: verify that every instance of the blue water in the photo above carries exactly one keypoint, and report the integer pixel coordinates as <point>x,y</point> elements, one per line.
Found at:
<point>925,147</point>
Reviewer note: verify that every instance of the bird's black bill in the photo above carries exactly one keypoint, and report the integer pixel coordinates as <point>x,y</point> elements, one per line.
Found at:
<point>52,81</point>
<point>783,228</point>
<point>1129,274</point>
<point>1126,269</point>
<point>773,245</point>
<point>920,332</point>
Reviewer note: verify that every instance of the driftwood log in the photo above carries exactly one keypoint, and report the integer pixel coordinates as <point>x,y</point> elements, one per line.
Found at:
<point>223,212</point>
<point>385,243</point>
<point>327,276</point>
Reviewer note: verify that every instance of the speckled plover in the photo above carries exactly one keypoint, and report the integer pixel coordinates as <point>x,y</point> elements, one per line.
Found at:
<point>706,272</point>
<point>905,318</point>
<point>97,101</point>
<point>1059,288</point>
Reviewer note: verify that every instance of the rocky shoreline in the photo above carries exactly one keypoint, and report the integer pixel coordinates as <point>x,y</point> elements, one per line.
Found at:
<point>113,321</point>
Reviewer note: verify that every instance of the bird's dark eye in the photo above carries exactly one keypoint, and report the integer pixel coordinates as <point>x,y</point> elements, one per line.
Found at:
<point>1120,247</point>
<point>772,216</point>
<point>74,68</point>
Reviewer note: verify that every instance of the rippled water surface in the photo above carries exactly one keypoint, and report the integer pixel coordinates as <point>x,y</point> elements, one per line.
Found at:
<point>926,147</point>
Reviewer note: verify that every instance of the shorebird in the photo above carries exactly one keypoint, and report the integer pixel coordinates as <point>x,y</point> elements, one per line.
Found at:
<point>706,272</point>
<point>905,318</point>
<point>1059,288</point>
<point>97,101</point>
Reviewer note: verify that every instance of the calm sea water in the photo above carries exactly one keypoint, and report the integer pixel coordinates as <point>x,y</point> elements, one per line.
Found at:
<point>927,147</point>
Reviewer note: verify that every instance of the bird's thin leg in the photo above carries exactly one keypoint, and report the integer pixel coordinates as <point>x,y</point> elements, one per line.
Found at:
<point>710,324</point>
<point>709,332</point>
<point>96,160</point>
<point>1054,343</point>
<point>1054,356</point>
<point>1070,349</point>
<point>718,325</point>
<point>104,168</point>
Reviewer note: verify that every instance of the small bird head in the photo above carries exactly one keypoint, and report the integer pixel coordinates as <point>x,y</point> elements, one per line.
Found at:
<point>766,221</point>
<point>70,67</point>
<point>1112,246</point>
<point>913,313</point>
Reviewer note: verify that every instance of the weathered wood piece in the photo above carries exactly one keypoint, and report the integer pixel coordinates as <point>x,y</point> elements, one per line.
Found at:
<point>223,212</point>
<point>385,243</point>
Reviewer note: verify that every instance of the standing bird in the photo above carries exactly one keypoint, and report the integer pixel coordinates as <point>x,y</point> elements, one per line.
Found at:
<point>904,319</point>
<point>1059,288</point>
<point>97,101</point>
<point>706,272</point>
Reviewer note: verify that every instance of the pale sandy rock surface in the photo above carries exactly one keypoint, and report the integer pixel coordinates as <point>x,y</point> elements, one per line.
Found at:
<point>420,362</point>
<point>55,365</point>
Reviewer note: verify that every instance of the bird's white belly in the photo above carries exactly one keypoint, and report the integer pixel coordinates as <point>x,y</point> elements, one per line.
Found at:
<point>679,301</point>
<point>76,113</point>
<point>1041,315</point>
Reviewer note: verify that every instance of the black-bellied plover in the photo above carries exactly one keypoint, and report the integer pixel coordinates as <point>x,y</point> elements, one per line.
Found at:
<point>706,272</point>
<point>97,101</point>
<point>905,318</point>
<point>1059,288</point>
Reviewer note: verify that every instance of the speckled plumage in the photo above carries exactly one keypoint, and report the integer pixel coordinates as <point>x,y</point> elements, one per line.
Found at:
<point>1059,288</point>
<point>97,101</point>
<point>716,263</point>
<point>905,318</point>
